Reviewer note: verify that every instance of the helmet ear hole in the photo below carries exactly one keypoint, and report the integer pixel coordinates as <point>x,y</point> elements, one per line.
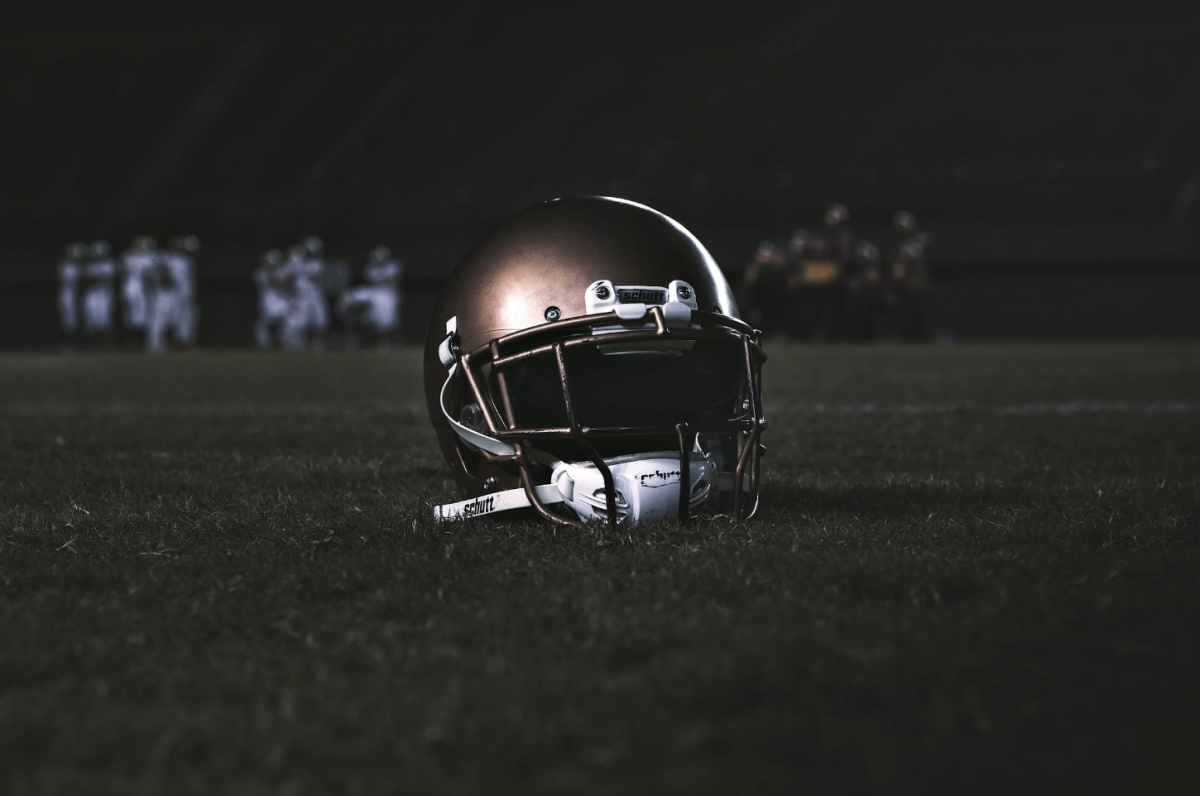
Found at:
<point>472,417</point>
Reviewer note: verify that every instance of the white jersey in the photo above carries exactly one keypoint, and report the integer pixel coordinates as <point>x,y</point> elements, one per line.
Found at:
<point>171,307</point>
<point>376,273</point>
<point>377,306</point>
<point>182,270</point>
<point>307,312</point>
<point>382,293</point>
<point>99,277</point>
<point>137,272</point>
<point>272,296</point>
<point>273,303</point>
<point>68,295</point>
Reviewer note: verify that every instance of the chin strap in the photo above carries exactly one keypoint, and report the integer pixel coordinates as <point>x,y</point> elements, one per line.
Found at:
<point>470,435</point>
<point>507,500</point>
<point>448,354</point>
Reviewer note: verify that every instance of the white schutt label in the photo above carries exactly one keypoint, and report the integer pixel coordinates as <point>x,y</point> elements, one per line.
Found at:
<point>641,296</point>
<point>483,505</point>
<point>500,501</point>
<point>659,478</point>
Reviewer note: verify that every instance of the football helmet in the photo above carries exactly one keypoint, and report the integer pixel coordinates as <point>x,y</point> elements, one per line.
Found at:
<point>866,252</point>
<point>797,242</point>
<point>836,214</point>
<point>904,222</point>
<point>184,244</point>
<point>587,360</point>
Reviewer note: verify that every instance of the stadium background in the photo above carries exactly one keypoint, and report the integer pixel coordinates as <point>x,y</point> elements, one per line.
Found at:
<point>1051,148</point>
<point>976,567</point>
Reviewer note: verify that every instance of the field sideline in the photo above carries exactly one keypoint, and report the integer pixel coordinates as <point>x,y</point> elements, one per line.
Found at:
<point>975,566</point>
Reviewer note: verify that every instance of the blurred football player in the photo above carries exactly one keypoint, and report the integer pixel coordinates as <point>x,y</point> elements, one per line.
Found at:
<point>762,288</point>
<point>97,289</point>
<point>374,307</point>
<point>385,272</point>
<point>336,276</point>
<point>904,223</point>
<point>793,286</point>
<point>181,261</point>
<point>273,299</point>
<point>910,287</point>
<point>839,232</point>
<point>307,318</point>
<point>316,267</point>
<point>817,284</point>
<point>138,264</point>
<point>173,314</point>
<point>864,293</point>
<point>69,272</point>
<point>908,280</point>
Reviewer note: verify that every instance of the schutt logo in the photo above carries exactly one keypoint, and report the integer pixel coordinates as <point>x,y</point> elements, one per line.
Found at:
<point>659,478</point>
<point>479,506</point>
<point>642,296</point>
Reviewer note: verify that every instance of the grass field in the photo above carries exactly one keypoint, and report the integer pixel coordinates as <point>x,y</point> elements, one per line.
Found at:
<point>974,567</point>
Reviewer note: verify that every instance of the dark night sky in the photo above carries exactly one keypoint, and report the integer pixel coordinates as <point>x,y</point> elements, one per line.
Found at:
<point>540,98</point>
<point>332,14</point>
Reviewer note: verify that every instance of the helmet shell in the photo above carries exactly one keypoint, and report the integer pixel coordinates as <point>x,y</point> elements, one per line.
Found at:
<point>537,266</point>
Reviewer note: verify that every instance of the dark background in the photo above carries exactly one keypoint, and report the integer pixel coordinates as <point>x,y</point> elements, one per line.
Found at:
<point>1050,147</point>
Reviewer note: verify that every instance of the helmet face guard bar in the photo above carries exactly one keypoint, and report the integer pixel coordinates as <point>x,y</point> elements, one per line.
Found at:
<point>552,340</point>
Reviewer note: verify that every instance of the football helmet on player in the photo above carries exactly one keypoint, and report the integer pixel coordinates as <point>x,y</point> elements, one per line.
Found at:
<point>904,222</point>
<point>587,360</point>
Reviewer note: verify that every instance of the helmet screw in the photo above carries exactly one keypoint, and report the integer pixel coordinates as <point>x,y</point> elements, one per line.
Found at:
<point>602,292</point>
<point>553,314</point>
<point>685,292</point>
<point>489,485</point>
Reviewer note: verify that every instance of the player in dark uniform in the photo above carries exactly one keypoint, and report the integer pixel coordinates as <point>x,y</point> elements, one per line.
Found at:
<point>763,288</point>
<point>864,294</point>
<point>908,280</point>
<point>815,283</point>
<point>796,299</point>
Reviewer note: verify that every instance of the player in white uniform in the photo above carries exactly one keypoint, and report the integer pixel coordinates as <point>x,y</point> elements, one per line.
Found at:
<point>69,273</point>
<point>313,289</point>
<point>374,308</point>
<point>307,317</point>
<point>138,264</point>
<point>181,262</point>
<point>382,274</point>
<point>173,313</point>
<point>97,290</point>
<point>273,299</point>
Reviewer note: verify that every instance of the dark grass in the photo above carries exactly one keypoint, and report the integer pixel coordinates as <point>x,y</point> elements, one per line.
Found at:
<point>975,567</point>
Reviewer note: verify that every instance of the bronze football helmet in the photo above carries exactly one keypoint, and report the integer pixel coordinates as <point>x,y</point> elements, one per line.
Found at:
<point>587,360</point>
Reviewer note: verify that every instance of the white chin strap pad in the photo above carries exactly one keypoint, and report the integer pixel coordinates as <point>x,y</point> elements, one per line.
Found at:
<point>647,489</point>
<point>647,486</point>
